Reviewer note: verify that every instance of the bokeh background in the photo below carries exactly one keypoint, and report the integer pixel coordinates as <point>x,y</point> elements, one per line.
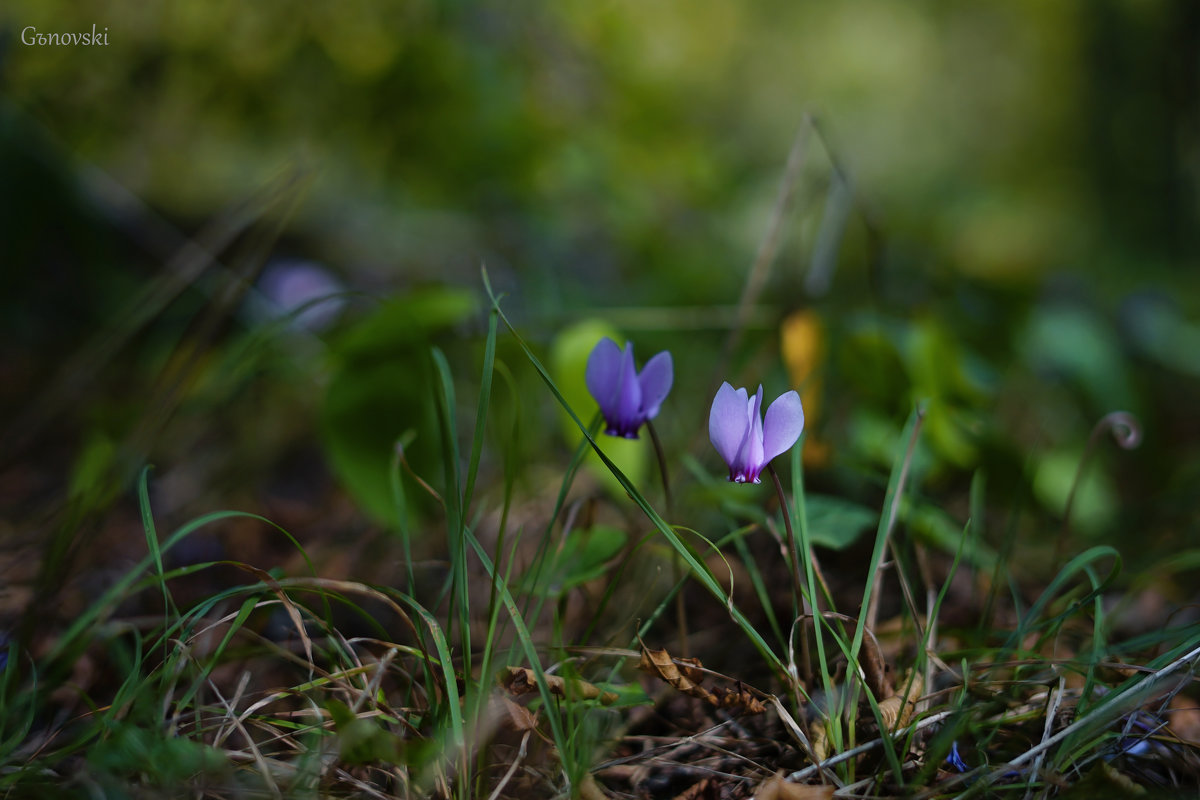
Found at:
<point>993,208</point>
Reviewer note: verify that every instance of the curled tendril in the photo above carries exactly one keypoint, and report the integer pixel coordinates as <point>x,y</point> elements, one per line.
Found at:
<point>1126,432</point>
<point>1125,428</point>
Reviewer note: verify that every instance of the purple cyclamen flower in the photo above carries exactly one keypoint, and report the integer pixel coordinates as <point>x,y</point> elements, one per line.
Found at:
<point>626,398</point>
<point>737,430</point>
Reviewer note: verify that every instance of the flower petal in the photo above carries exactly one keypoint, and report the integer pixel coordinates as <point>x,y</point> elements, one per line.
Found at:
<point>785,421</point>
<point>727,423</point>
<point>604,374</point>
<point>626,415</point>
<point>655,380</point>
<point>749,457</point>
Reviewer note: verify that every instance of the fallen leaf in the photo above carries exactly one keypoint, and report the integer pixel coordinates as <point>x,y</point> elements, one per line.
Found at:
<point>820,739</point>
<point>522,680</point>
<point>897,709</point>
<point>590,790</point>
<point>685,675</point>
<point>686,680</point>
<point>702,790</point>
<point>738,698</point>
<point>776,788</point>
<point>517,716</point>
<point>1185,718</point>
<point>874,667</point>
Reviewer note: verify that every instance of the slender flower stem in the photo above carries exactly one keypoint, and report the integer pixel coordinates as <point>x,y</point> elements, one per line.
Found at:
<point>677,567</point>
<point>660,454</point>
<point>794,552</point>
<point>791,534</point>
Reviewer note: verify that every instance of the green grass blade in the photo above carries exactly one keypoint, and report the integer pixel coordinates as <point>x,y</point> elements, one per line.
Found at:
<point>699,569</point>
<point>460,605</point>
<point>481,412</point>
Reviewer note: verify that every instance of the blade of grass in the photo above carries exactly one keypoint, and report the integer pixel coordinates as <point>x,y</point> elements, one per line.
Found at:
<point>699,569</point>
<point>887,523</point>
<point>460,604</point>
<point>526,642</point>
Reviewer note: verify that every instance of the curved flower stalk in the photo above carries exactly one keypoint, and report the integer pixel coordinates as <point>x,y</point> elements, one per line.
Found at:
<point>747,443</point>
<point>626,397</point>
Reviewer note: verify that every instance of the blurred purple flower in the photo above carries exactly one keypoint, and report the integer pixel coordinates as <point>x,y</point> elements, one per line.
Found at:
<point>737,430</point>
<point>302,290</point>
<point>627,398</point>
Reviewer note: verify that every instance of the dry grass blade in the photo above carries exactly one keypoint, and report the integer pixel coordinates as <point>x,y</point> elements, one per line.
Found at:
<point>769,246</point>
<point>1056,697</point>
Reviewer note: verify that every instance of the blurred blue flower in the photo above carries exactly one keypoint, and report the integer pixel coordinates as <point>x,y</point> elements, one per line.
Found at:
<point>303,291</point>
<point>737,430</point>
<point>955,760</point>
<point>627,398</point>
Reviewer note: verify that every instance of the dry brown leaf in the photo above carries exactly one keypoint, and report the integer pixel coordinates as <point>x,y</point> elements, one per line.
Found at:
<point>897,709</point>
<point>590,790</point>
<point>698,791</point>
<point>686,680</point>
<point>776,788</point>
<point>1184,718</point>
<point>738,698</point>
<point>874,666</point>
<point>522,680</point>
<point>686,677</point>
<point>820,739</point>
<point>518,717</point>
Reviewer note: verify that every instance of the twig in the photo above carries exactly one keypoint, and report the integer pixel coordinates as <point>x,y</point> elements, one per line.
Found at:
<point>1055,699</point>
<point>512,768</point>
<point>866,747</point>
<point>768,248</point>
<point>1104,715</point>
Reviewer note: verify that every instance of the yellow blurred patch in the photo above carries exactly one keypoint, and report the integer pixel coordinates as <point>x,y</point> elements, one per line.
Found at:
<point>802,344</point>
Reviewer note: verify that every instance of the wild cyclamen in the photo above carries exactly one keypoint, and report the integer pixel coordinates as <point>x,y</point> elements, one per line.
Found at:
<point>627,398</point>
<point>737,430</point>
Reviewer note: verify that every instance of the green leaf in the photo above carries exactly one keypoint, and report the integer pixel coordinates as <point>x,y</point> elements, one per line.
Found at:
<point>1081,345</point>
<point>836,523</point>
<point>379,390</point>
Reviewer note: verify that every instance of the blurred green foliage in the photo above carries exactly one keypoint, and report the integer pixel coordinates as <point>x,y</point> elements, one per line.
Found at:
<point>999,203</point>
<point>379,390</point>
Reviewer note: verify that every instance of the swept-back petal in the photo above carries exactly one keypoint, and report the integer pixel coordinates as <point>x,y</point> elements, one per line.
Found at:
<point>603,374</point>
<point>785,421</point>
<point>626,415</point>
<point>748,460</point>
<point>727,423</point>
<point>754,455</point>
<point>655,380</point>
